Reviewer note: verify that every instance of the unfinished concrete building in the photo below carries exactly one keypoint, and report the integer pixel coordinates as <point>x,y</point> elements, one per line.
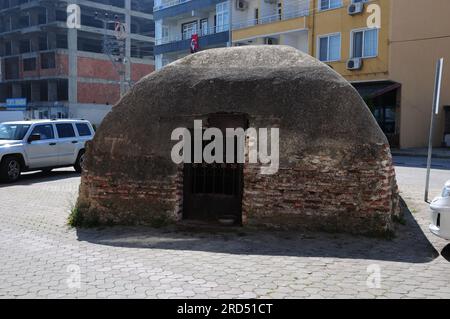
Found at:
<point>73,72</point>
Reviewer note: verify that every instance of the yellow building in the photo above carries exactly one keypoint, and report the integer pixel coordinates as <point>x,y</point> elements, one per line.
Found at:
<point>386,48</point>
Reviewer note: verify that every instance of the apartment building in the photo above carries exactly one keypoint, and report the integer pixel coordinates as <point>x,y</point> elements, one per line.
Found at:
<point>186,26</point>
<point>392,65</point>
<point>57,71</point>
<point>273,22</point>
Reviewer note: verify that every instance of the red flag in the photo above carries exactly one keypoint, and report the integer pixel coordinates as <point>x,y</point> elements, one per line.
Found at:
<point>194,43</point>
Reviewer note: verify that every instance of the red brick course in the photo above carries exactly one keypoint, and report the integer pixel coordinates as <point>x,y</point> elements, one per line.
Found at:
<point>96,68</point>
<point>138,71</point>
<point>98,93</point>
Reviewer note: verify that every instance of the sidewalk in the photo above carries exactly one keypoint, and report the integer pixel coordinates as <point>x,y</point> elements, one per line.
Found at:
<point>443,153</point>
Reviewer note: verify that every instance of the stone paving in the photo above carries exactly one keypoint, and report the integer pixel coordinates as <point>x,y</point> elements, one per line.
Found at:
<point>42,258</point>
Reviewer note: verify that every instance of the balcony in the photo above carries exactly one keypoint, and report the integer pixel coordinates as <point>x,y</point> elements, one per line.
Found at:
<point>170,9</point>
<point>279,23</point>
<point>168,4</point>
<point>271,19</point>
<point>213,36</point>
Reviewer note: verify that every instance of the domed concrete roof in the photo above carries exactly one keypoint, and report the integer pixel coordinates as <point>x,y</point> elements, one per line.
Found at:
<point>310,101</point>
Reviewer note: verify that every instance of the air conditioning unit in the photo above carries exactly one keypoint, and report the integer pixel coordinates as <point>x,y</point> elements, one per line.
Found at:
<point>354,64</point>
<point>356,8</point>
<point>241,5</point>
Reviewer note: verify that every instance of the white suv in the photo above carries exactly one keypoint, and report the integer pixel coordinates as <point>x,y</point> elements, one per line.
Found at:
<point>42,145</point>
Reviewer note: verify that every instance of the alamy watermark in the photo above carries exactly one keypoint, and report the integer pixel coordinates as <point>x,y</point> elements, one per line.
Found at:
<point>74,279</point>
<point>73,16</point>
<point>374,279</point>
<point>192,149</point>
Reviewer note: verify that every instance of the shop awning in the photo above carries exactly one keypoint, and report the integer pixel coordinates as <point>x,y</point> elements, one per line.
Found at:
<point>370,90</point>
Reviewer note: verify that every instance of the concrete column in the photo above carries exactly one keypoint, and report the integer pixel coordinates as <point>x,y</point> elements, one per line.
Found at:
<point>72,40</point>
<point>72,45</point>
<point>52,91</point>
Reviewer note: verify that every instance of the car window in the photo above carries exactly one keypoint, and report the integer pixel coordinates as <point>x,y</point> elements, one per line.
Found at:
<point>65,130</point>
<point>13,131</point>
<point>45,131</point>
<point>83,129</point>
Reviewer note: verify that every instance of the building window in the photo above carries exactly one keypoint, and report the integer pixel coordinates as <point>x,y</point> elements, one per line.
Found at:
<point>42,17</point>
<point>8,48</point>
<point>365,43</point>
<point>204,27</point>
<point>61,41</point>
<point>62,90</point>
<point>29,64</point>
<point>385,116</point>
<point>222,17</point>
<point>25,46</point>
<point>61,16</point>
<point>48,60</point>
<point>188,29</point>
<point>165,32</point>
<point>24,21</point>
<point>329,4</point>
<point>43,43</point>
<point>330,48</point>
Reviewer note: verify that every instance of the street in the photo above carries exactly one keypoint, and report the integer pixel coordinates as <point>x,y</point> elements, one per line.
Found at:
<point>41,257</point>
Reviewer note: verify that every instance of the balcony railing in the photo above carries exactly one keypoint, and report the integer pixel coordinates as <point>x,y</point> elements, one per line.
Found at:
<point>188,34</point>
<point>169,4</point>
<point>271,19</point>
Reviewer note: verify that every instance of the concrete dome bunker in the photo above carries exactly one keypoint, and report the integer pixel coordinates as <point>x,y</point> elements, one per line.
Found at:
<point>335,171</point>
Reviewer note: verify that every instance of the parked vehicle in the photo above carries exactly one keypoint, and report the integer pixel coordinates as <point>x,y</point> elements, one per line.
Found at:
<point>440,215</point>
<point>42,145</point>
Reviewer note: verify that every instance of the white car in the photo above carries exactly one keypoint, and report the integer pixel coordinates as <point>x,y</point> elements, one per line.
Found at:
<point>440,214</point>
<point>42,145</point>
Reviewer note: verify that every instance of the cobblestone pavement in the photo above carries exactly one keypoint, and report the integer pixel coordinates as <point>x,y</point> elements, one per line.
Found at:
<point>42,258</point>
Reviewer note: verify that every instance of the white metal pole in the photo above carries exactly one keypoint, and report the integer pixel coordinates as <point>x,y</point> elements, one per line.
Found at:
<point>230,23</point>
<point>434,112</point>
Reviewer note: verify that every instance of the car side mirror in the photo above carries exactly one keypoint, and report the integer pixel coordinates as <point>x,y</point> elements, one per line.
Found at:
<point>34,137</point>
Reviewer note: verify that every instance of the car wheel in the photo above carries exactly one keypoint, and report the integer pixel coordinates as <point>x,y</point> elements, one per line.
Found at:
<point>10,169</point>
<point>79,164</point>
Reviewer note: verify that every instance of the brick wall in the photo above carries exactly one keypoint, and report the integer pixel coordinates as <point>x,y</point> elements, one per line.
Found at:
<point>98,93</point>
<point>334,193</point>
<point>96,68</point>
<point>138,71</point>
<point>321,192</point>
<point>61,69</point>
<point>106,199</point>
